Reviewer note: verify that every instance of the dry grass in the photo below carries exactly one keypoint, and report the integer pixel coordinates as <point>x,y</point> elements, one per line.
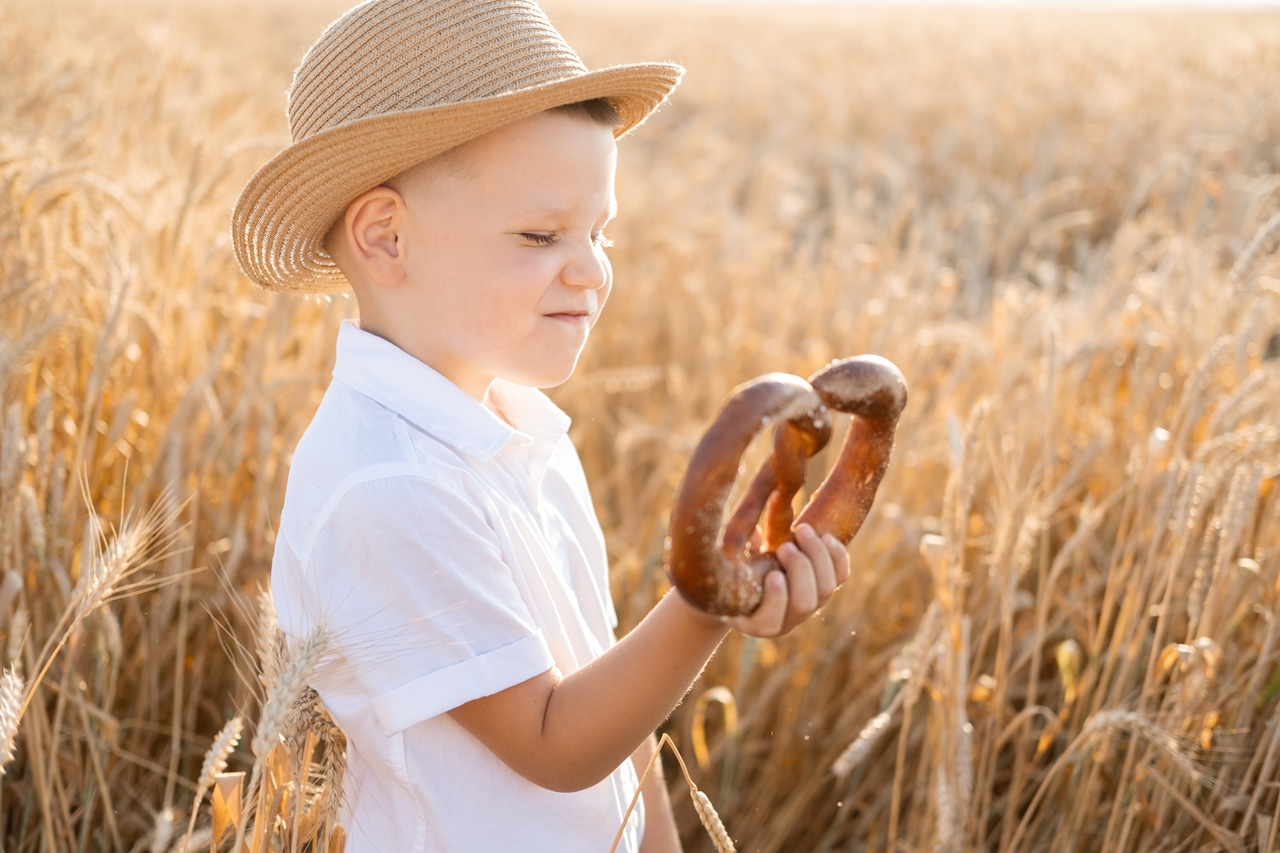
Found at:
<point>1061,227</point>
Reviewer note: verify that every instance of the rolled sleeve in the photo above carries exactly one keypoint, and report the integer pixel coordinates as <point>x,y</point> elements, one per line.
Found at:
<point>407,575</point>
<point>444,689</point>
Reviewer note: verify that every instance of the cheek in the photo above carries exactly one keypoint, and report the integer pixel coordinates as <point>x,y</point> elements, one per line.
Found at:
<point>511,293</point>
<point>496,279</point>
<point>522,293</point>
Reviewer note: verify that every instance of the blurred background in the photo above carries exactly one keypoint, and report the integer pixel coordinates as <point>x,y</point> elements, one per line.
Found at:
<point>1061,224</point>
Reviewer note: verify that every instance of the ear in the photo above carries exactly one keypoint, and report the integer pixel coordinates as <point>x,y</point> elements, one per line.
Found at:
<point>372,227</point>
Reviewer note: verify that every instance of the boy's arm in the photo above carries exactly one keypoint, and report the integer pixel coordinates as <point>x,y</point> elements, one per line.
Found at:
<point>567,733</point>
<point>660,834</point>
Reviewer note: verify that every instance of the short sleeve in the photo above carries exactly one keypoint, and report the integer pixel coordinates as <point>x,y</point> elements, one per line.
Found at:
<point>407,575</point>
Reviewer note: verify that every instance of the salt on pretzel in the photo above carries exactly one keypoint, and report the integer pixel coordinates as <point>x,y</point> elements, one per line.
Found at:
<point>722,573</point>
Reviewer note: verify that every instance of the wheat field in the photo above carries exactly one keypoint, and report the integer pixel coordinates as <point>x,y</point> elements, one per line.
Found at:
<point>1061,632</point>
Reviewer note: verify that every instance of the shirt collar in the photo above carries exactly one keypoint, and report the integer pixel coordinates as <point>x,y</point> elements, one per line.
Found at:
<point>387,374</point>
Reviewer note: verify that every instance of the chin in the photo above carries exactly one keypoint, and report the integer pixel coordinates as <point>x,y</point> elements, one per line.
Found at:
<point>548,376</point>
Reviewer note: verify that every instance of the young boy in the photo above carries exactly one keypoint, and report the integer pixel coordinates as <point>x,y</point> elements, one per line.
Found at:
<point>455,161</point>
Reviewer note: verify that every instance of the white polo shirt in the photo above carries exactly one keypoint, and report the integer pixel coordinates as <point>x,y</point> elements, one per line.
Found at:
<point>451,556</point>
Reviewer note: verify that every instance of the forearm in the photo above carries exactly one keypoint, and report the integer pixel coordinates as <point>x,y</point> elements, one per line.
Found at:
<point>567,733</point>
<point>595,717</point>
<point>660,835</point>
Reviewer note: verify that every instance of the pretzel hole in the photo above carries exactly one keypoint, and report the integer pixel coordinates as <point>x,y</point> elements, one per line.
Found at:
<point>758,499</point>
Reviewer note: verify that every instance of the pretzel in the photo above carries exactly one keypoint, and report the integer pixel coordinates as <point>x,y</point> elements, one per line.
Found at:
<point>723,573</point>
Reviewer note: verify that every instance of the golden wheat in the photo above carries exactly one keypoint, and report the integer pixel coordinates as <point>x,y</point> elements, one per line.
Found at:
<point>215,762</point>
<point>11,692</point>
<point>1063,619</point>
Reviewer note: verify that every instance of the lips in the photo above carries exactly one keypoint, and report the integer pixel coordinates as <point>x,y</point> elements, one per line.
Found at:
<point>569,316</point>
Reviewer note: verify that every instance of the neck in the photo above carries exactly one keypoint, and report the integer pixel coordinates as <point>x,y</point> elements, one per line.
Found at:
<point>474,382</point>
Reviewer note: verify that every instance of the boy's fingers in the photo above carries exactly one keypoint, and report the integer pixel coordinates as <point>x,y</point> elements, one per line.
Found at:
<point>818,550</point>
<point>802,586</point>
<point>839,558</point>
<point>768,619</point>
<point>824,572</point>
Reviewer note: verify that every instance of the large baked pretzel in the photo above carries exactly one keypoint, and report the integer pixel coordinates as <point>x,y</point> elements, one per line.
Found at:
<point>722,574</point>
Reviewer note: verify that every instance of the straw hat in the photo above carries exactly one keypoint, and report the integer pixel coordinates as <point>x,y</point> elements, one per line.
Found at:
<point>394,82</point>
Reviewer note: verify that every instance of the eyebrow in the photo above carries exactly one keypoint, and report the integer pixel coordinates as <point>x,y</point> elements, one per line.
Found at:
<point>551,212</point>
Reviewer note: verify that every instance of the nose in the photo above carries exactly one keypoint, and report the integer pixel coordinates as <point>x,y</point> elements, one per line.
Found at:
<point>587,268</point>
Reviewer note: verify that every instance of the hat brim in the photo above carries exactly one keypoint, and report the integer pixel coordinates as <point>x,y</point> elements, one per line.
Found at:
<point>281,218</point>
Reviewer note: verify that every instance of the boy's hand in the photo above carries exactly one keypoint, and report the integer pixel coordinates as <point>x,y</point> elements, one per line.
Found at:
<point>813,571</point>
<point>568,732</point>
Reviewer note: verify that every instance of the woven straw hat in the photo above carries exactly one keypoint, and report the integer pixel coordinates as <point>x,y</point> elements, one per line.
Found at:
<point>394,82</point>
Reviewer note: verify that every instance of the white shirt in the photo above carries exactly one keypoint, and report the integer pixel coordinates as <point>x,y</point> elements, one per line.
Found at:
<point>450,556</point>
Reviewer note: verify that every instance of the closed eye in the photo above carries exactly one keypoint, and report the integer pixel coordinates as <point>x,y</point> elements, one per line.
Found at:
<point>542,238</point>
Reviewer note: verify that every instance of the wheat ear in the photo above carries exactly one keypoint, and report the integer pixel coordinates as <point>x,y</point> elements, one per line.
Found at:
<point>11,690</point>
<point>268,640</point>
<point>128,551</point>
<point>18,628</point>
<point>288,685</point>
<point>860,750</point>
<point>711,820</point>
<point>1097,725</point>
<point>290,681</point>
<point>314,716</point>
<point>215,761</point>
<point>333,769</point>
<point>701,803</point>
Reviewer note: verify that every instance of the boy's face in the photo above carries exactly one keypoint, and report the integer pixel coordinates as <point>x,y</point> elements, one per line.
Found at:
<point>502,252</point>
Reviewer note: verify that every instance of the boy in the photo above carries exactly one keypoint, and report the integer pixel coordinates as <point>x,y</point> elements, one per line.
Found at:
<point>455,161</point>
